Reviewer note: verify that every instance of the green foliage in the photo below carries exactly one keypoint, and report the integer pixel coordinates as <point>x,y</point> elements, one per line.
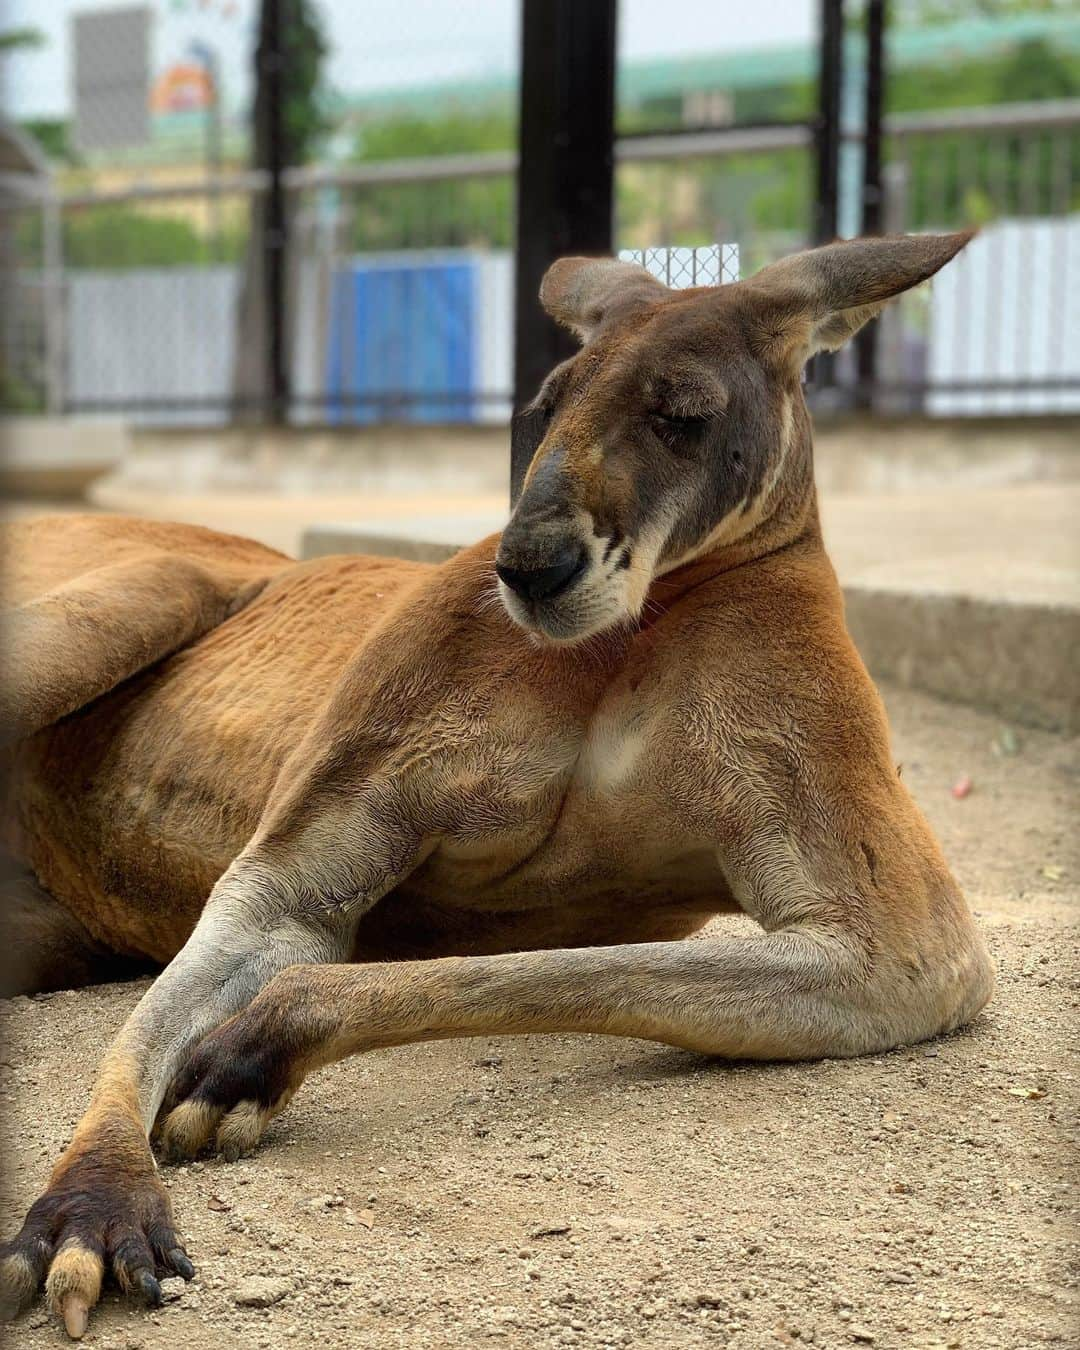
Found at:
<point>306,47</point>
<point>111,238</point>
<point>1033,70</point>
<point>926,13</point>
<point>477,213</point>
<point>19,395</point>
<point>454,133</point>
<point>456,214</point>
<point>1037,70</point>
<point>699,202</point>
<point>21,39</point>
<point>53,134</point>
<point>952,182</point>
<point>955,182</point>
<point>778,103</point>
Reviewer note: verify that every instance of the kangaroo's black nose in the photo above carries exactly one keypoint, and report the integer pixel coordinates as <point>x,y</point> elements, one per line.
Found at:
<point>543,583</point>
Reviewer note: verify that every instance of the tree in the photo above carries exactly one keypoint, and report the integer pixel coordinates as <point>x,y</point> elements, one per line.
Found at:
<point>306,121</point>
<point>452,132</point>
<point>924,13</point>
<point>53,134</point>
<point>474,213</point>
<point>19,39</point>
<point>1036,70</point>
<point>116,237</point>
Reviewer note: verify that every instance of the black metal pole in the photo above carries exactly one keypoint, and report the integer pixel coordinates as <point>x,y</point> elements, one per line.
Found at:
<point>213,148</point>
<point>872,198</point>
<point>827,146</point>
<point>565,174</point>
<point>831,74</point>
<point>272,61</point>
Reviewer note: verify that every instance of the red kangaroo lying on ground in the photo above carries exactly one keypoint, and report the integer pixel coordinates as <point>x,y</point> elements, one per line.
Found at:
<point>355,802</point>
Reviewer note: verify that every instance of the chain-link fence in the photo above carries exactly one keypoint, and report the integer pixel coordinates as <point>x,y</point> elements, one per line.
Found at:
<point>709,265</point>
<point>135,260</point>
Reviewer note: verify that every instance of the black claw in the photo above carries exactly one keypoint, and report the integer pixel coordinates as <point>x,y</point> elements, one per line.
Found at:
<point>151,1290</point>
<point>180,1262</point>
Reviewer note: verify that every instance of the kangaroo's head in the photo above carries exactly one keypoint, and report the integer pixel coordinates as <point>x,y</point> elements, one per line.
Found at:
<point>680,426</point>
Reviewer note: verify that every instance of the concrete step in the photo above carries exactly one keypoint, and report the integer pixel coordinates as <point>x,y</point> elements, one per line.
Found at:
<point>45,457</point>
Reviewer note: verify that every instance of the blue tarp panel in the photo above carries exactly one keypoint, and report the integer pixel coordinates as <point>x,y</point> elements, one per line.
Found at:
<point>403,329</point>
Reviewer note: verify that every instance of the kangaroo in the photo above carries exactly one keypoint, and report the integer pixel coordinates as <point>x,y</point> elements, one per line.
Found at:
<point>356,803</point>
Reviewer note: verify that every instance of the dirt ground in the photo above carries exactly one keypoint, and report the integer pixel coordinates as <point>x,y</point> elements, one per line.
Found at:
<point>577,1191</point>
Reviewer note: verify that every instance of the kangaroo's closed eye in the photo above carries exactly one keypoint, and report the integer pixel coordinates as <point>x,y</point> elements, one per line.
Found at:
<point>679,424</point>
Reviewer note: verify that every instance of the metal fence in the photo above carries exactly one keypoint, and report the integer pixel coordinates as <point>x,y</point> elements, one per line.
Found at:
<point>398,287</point>
<point>1000,332</point>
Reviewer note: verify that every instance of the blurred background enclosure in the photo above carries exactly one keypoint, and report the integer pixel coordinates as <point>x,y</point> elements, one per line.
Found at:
<point>303,210</point>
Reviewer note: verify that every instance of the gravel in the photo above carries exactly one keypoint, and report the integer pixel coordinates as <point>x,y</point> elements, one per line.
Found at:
<point>261,1291</point>
<point>538,1192</point>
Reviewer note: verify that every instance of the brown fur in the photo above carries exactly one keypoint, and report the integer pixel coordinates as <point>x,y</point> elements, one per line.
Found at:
<point>535,792</point>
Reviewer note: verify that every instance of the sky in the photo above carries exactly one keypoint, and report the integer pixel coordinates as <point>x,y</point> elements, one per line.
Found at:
<point>384,43</point>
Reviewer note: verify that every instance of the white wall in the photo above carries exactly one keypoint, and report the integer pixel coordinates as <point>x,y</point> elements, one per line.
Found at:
<point>1008,309</point>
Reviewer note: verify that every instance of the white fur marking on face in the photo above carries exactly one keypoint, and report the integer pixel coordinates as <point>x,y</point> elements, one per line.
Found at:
<point>786,420</point>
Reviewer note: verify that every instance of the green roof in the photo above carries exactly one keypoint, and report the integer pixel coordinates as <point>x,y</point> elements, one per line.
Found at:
<point>906,49</point>
<point>180,134</point>
<point>759,67</point>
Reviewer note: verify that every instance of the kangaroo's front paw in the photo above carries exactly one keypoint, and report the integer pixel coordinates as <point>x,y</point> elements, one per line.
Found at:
<point>104,1213</point>
<point>239,1077</point>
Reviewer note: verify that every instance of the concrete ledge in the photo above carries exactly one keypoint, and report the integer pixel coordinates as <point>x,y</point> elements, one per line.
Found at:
<point>378,460</point>
<point>853,453</point>
<point>430,539</point>
<point>1013,652</point>
<point>1016,659</point>
<point>58,456</point>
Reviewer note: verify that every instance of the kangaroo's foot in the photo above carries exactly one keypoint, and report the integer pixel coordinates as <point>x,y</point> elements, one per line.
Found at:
<point>104,1214</point>
<point>237,1079</point>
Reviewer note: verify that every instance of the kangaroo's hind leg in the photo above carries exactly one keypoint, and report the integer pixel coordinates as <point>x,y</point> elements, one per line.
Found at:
<point>43,947</point>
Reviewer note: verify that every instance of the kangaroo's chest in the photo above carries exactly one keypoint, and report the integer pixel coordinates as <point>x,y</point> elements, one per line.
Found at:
<point>598,829</point>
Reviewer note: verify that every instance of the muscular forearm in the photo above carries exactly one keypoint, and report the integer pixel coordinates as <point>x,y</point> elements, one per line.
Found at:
<point>244,938</point>
<point>765,997</point>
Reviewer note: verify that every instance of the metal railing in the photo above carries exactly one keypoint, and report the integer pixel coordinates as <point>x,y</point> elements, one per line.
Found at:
<point>142,321</point>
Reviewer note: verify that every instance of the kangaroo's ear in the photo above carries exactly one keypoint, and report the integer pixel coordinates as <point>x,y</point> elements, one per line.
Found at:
<point>583,293</point>
<point>820,298</point>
